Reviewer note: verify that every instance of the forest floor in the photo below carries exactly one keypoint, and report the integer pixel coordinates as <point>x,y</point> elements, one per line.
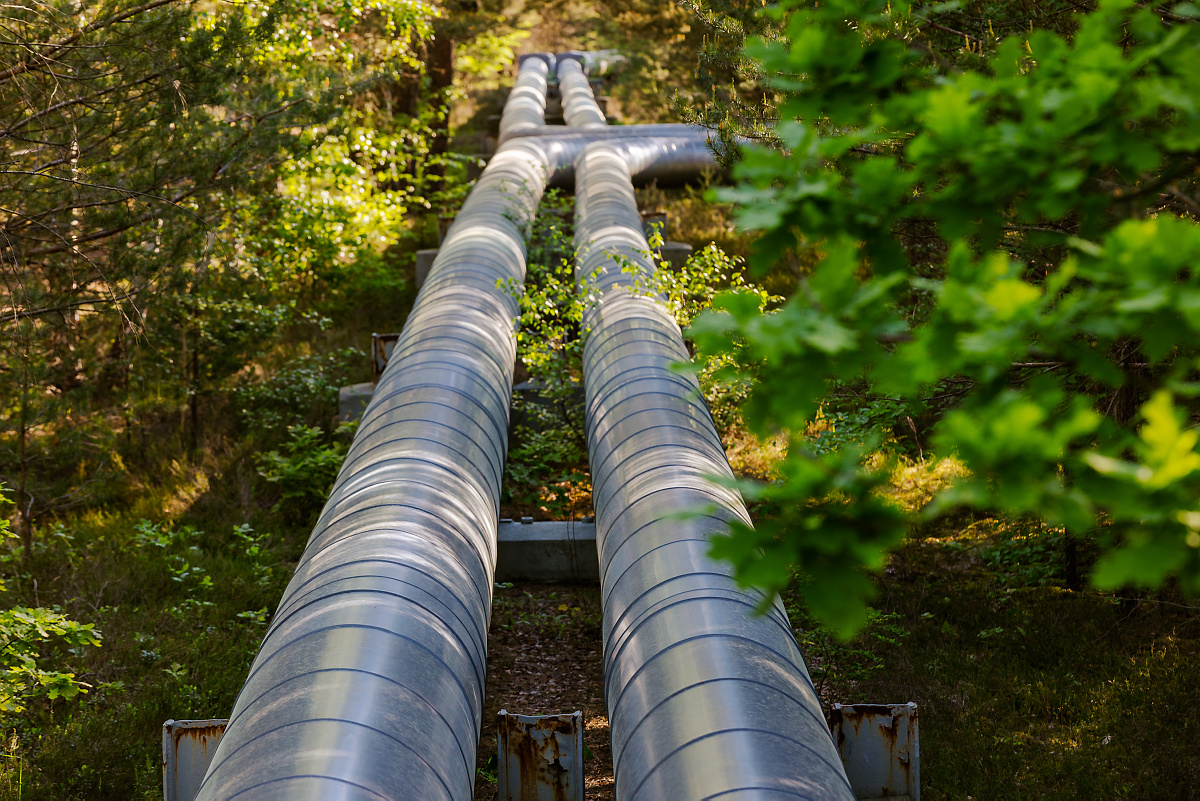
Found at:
<point>545,657</point>
<point>1028,686</point>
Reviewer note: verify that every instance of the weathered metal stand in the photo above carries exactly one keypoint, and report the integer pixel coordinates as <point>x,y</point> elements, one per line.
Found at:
<point>539,757</point>
<point>880,749</point>
<point>188,748</point>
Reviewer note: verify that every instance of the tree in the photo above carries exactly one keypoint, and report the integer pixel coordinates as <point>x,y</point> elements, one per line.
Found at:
<point>156,161</point>
<point>1006,246</point>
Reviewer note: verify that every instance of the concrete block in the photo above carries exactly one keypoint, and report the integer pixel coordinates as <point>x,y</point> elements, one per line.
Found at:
<point>653,221</point>
<point>425,264</point>
<point>444,223</point>
<point>353,401</point>
<point>676,254</point>
<point>549,551</point>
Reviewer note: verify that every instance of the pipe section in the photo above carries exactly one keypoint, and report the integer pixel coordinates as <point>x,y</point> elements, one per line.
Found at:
<point>655,129</point>
<point>705,699</point>
<point>525,109</point>
<point>580,109</point>
<point>369,682</point>
<point>670,158</point>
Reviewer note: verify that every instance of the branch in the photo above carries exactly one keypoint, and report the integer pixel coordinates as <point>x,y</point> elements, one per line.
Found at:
<point>75,101</point>
<point>1187,200</point>
<point>933,24</point>
<point>19,314</point>
<point>125,192</point>
<point>24,65</point>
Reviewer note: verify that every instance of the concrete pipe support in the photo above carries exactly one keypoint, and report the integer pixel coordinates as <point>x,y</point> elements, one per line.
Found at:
<point>705,699</point>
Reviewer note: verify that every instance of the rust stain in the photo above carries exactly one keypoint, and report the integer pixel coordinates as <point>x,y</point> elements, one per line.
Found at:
<point>893,733</point>
<point>189,743</point>
<point>200,734</point>
<point>538,751</point>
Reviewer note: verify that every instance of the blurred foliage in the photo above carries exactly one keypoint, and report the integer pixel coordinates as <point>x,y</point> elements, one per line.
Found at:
<point>1048,335</point>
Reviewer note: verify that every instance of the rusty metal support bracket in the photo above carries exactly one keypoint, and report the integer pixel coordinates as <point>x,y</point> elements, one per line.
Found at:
<point>880,749</point>
<point>539,757</point>
<point>188,748</point>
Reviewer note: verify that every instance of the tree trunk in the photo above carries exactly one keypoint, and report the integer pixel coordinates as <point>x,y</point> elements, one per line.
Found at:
<point>183,359</point>
<point>24,502</point>
<point>194,398</point>
<point>1071,561</point>
<point>441,78</point>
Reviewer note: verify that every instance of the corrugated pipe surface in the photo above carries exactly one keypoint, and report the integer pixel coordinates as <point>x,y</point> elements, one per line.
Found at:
<point>657,129</point>
<point>674,158</point>
<point>369,682</point>
<point>705,699</point>
<point>580,109</point>
<point>525,109</point>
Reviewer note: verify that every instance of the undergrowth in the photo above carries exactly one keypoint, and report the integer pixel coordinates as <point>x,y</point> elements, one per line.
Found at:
<point>1025,689</point>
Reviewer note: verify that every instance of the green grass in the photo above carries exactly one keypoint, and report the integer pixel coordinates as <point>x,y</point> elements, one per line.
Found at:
<point>180,580</point>
<point>1026,689</point>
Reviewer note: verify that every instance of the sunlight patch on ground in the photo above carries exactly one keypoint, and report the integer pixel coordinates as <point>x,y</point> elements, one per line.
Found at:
<point>191,482</point>
<point>914,483</point>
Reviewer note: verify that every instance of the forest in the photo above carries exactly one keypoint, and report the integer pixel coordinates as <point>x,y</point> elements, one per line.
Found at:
<point>940,300</point>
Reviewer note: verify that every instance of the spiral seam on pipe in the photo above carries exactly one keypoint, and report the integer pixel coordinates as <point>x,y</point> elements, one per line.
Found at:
<point>369,681</point>
<point>580,109</point>
<point>692,677</point>
<point>371,675</point>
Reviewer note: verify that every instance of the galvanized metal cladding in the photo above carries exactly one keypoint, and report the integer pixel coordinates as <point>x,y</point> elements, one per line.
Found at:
<point>705,699</point>
<point>369,682</point>
<point>525,108</point>
<point>580,109</point>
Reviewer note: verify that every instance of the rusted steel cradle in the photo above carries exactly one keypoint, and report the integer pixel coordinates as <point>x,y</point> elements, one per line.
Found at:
<point>369,681</point>
<point>705,699</point>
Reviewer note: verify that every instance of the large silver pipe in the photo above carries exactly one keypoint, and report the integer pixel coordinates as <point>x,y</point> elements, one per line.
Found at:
<point>705,699</point>
<point>656,129</point>
<point>525,109</point>
<point>369,682</point>
<point>677,156</point>
<point>580,108</point>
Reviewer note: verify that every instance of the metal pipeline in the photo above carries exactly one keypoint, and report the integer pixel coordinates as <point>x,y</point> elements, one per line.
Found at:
<point>656,129</point>
<point>705,699</point>
<point>525,109</point>
<point>369,682</point>
<point>580,109</point>
<point>678,156</point>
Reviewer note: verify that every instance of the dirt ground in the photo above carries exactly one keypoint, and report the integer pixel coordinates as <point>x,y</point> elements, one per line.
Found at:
<point>544,657</point>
